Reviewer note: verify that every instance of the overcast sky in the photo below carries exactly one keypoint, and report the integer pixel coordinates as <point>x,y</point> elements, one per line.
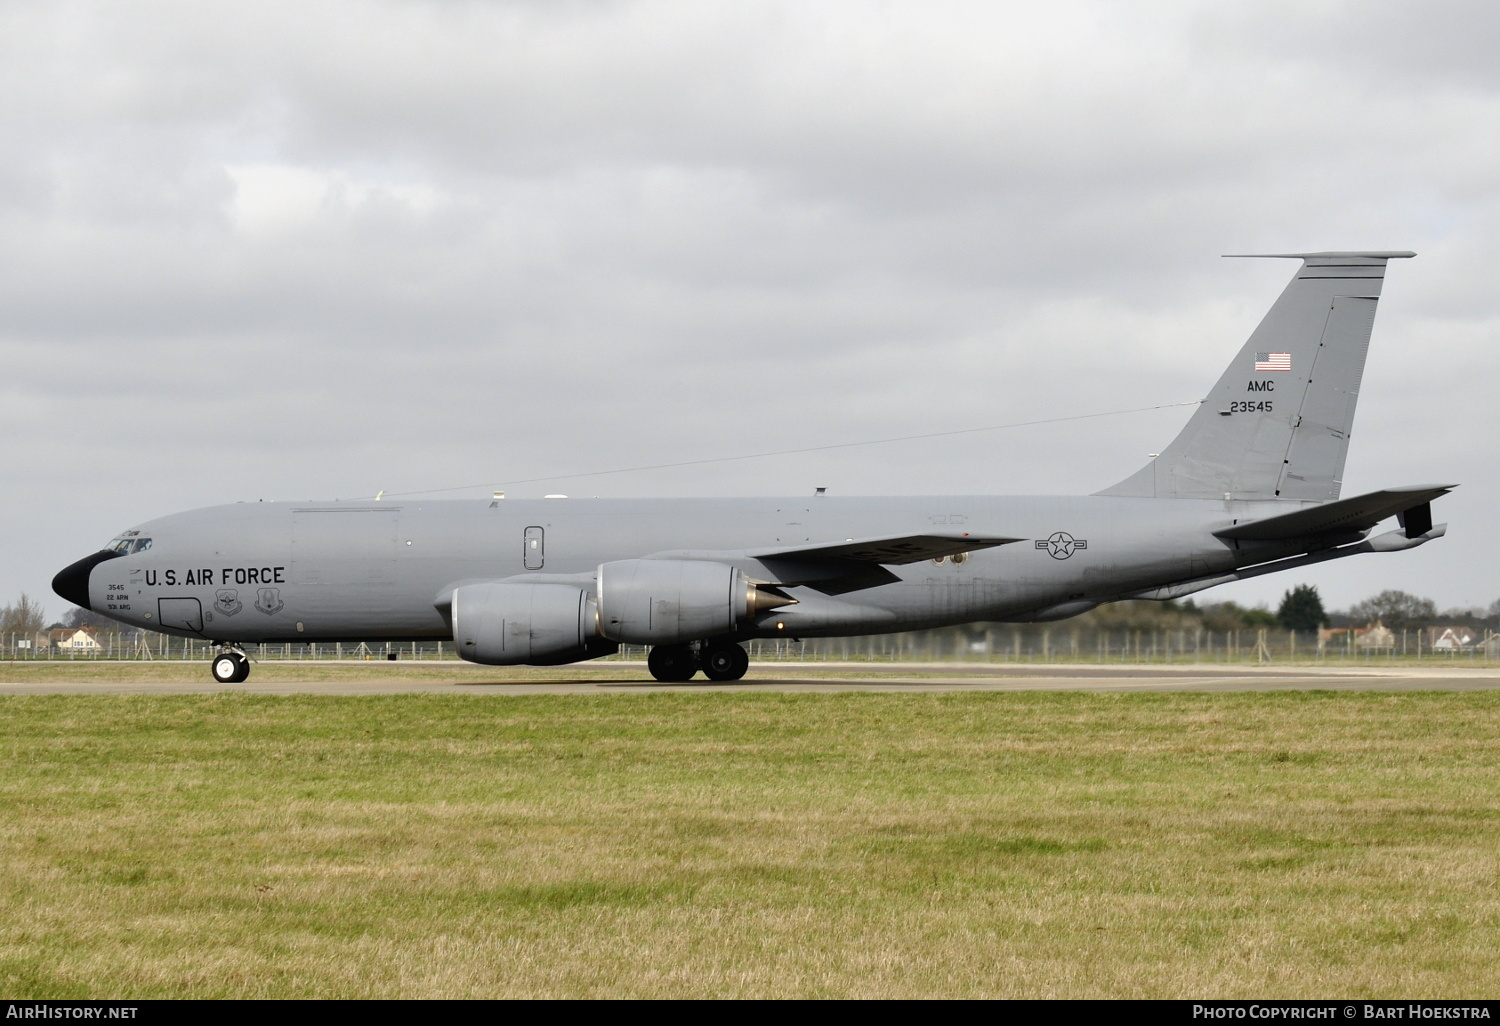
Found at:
<point>294,250</point>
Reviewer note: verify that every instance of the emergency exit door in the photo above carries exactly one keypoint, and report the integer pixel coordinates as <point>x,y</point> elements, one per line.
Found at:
<point>535,548</point>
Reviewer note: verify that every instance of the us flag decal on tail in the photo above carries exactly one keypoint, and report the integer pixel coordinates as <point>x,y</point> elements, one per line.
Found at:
<point>1273,361</point>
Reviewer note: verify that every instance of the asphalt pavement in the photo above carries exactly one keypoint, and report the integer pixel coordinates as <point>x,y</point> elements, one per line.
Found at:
<point>815,677</point>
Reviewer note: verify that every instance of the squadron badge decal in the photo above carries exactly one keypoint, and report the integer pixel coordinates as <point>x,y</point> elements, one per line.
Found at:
<point>1061,544</point>
<point>268,601</point>
<point>227,601</point>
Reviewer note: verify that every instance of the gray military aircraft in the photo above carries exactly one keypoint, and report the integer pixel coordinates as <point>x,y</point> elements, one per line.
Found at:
<point>1249,487</point>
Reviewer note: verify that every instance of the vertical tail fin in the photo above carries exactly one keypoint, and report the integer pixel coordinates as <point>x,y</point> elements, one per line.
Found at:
<point>1277,423</point>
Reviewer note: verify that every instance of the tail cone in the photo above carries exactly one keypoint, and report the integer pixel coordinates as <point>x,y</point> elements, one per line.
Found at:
<point>763,598</point>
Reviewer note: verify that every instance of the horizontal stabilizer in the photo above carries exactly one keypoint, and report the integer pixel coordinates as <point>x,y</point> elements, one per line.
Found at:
<point>1391,541</point>
<point>911,548</point>
<point>1338,257</point>
<point>1356,514</point>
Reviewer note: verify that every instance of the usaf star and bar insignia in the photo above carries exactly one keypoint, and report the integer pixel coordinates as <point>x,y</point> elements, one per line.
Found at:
<point>1061,544</point>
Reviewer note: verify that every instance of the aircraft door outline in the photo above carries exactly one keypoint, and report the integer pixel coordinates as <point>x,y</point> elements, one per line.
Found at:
<point>534,548</point>
<point>185,614</point>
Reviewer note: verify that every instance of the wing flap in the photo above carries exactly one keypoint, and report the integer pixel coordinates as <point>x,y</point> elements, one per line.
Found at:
<point>1354,514</point>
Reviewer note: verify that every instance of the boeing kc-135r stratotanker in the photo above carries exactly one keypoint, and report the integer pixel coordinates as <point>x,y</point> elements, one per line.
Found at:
<point>1249,487</point>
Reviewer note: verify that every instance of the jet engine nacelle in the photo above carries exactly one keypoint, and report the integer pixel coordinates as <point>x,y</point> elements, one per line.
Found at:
<point>509,623</point>
<point>667,601</point>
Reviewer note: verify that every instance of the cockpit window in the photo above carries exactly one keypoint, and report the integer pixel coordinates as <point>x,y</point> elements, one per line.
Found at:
<point>125,546</point>
<point>142,544</point>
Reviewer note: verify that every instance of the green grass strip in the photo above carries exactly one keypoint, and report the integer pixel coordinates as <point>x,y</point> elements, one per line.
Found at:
<point>751,844</point>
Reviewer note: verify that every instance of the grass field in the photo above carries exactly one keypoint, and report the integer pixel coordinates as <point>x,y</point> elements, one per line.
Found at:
<point>737,844</point>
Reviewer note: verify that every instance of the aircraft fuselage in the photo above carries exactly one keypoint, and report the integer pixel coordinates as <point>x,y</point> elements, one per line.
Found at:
<point>325,571</point>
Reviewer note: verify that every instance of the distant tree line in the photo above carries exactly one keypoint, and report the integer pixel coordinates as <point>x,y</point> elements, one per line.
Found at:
<point>26,616</point>
<point>1301,609</point>
<point>23,617</point>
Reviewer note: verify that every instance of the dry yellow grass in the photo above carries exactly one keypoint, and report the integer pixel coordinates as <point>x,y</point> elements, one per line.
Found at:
<point>737,844</point>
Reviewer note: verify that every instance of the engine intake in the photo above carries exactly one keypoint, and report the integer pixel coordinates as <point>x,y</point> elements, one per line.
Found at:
<point>666,601</point>
<point>506,624</point>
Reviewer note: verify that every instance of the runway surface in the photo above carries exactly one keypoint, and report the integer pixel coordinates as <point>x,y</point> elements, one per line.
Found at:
<point>631,678</point>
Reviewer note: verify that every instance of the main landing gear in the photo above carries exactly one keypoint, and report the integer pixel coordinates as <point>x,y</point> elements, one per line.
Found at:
<point>724,660</point>
<point>230,666</point>
<point>719,660</point>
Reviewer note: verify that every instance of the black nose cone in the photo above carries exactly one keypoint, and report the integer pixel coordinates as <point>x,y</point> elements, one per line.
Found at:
<point>73,583</point>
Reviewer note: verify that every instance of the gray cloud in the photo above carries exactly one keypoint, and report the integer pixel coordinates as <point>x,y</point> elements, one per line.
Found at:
<point>327,248</point>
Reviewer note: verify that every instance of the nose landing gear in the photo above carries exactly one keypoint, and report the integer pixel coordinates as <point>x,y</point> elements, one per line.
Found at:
<point>719,660</point>
<point>230,666</point>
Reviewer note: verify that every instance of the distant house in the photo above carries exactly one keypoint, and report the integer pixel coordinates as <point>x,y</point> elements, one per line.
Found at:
<point>78,640</point>
<point>1372,636</point>
<point>1336,636</point>
<point>1451,639</point>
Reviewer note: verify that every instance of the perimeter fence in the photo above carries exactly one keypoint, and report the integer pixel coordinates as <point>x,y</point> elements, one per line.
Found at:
<point>998,643</point>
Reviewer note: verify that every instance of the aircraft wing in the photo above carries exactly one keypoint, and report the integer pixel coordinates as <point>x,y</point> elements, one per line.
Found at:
<point>838,568</point>
<point>1356,514</point>
<point>909,548</point>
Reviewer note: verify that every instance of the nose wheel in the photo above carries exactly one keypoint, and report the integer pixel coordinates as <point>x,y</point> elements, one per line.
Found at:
<point>230,667</point>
